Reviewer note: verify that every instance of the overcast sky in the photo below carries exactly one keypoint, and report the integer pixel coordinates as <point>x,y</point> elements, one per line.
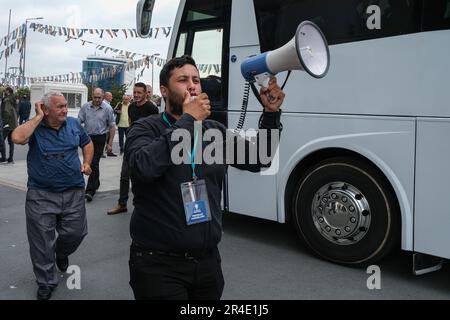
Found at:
<point>47,55</point>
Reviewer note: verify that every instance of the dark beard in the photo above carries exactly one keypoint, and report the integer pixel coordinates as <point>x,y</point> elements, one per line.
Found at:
<point>176,104</point>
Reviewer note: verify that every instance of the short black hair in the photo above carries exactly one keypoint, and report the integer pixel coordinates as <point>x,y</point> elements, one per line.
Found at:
<point>141,85</point>
<point>174,63</point>
<point>9,90</point>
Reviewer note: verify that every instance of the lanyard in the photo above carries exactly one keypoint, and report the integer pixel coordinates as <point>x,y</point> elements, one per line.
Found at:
<point>192,155</point>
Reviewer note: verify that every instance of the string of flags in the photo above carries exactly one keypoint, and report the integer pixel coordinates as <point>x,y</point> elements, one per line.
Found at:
<point>127,54</point>
<point>105,73</point>
<point>18,32</point>
<point>18,44</point>
<point>95,75</point>
<point>112,33</point>
<point>92,76</point>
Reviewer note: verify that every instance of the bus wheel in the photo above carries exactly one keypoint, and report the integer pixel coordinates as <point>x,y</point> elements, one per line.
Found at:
<point>346,212</point>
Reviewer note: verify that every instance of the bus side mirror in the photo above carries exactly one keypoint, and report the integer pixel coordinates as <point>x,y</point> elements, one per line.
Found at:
<point>144,11</point>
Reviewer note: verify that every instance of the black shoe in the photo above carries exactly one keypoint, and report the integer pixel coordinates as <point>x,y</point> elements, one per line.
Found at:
<point>44,292</point>
<point>102,156</point>
<point>62,263</point>
<point>88,197</point>
<point>11,161</point>
<point>2,160</point>
<point>110,154</point>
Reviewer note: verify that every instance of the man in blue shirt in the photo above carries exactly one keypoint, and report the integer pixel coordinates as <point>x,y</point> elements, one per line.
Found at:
<point>55,197</point>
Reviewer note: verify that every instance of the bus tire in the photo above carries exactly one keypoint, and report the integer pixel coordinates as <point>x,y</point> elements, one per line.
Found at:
<point>346,212</point>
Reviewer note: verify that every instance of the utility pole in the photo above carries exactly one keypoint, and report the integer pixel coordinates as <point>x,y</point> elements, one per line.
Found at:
<point>24,51</point>
<point>7,44</point>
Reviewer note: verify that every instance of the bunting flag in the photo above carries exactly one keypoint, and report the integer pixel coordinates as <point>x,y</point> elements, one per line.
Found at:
<point>105,49</point>
<point>17,45</point>
<point>112,33</point>
<point>17,33</point>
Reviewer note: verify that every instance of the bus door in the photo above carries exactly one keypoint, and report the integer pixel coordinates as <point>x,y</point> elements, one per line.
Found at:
<point>204,34</point>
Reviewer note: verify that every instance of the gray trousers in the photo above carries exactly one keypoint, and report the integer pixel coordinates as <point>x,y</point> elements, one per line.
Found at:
<point>46,213</point>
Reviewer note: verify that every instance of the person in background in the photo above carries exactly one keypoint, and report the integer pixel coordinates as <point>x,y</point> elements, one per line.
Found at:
<point>140,108</point>
<point>9,116</point>
<point>2,141</point>
<point>150,95</point>
<point>55,197</point>
<point>24,109</point>
<point>98,120</point>
<point>108,98</point>
<point>122,121</point>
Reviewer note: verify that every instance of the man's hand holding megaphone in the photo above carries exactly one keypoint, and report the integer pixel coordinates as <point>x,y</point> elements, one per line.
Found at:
<point>197,106</point>
<point>272,97</point>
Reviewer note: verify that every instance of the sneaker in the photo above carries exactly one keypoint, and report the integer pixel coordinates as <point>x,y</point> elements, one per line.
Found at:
<point>118,209</point>
<point>88,197</point>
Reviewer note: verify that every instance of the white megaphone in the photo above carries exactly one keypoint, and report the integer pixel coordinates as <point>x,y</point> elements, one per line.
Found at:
<point>307,51</point>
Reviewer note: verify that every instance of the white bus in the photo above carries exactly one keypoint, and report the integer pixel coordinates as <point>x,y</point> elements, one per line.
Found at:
<point>364,157</point>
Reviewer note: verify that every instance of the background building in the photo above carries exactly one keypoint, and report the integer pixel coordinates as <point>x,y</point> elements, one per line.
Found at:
<point>99,72</point>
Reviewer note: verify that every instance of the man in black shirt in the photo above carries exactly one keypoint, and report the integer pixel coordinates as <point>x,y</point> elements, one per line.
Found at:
<point>140,108</point>
<point>177,221</point>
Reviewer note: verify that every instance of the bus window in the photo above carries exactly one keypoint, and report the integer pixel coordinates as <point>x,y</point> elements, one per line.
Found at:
<point>201,10</point>
<point>436,15</point>
<point>204,34</point>
<point>207,52</point>
<point>341,21</point>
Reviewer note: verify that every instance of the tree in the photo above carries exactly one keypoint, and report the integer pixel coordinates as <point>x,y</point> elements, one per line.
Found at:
<point>118,92</point>
<point>22,92</point>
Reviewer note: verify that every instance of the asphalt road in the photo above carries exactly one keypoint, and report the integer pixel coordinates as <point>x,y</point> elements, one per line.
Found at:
<point>260,260</point>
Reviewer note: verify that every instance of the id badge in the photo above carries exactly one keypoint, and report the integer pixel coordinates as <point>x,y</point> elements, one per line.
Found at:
<point>196,203</point>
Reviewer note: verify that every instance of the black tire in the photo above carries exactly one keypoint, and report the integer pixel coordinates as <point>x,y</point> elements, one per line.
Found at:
<point>376,231</point>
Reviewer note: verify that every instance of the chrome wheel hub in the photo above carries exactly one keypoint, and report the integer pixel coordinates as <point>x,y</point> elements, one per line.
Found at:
<point>341,213</point>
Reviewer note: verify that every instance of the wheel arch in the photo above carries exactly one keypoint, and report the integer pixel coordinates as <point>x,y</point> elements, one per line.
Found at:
<point>301,161</point>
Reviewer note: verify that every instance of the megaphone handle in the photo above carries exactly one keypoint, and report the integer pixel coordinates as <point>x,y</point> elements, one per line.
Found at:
<point>263,79</point>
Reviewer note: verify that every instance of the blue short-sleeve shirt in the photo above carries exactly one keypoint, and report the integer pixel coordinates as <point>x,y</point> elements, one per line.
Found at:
<point>53,162</point>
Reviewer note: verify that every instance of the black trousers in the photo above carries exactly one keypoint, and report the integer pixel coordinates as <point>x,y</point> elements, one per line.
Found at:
<point>122,136</point>
<point>155,276</point>
<point>94,179</point>
<point>124,183</point>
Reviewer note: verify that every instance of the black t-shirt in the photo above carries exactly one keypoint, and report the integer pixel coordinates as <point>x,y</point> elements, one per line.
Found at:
<point>135,113</point>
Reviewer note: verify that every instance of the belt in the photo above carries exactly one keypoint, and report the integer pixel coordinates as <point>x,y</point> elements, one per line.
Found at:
<point>184,255</point>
